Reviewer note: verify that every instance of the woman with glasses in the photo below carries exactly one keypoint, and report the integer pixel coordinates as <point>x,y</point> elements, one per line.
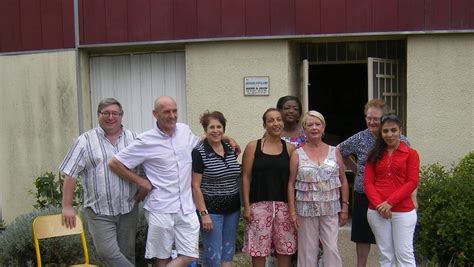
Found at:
<point>265,169</point>
<point>317,194</point>
<point>391,176</point>
<point>216,191</point>
<point>358,146</point>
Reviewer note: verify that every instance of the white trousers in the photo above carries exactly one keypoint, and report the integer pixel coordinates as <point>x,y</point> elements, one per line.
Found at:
<point>394,237</point>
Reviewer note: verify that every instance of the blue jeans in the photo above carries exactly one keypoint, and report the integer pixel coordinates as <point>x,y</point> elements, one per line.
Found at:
<point>219,243</point>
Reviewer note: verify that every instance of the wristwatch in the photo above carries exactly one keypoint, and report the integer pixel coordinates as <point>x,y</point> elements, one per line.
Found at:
<point>203,213</point>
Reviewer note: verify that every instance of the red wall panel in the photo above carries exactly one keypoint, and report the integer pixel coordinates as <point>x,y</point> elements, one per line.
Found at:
<point>438,14</point>
<point>333,16</point>
<point>185,19</point>
<point>116,18</point>
<point>282,17</point>
<point>385,15</point>
<point>93,21</point>
<point>51,24</point>
<point>31,32</point>
<point>359,16</point>
<point>461,14</point>
<point>81,22</point>
<point>257,17</point>
<point>68,23</point>
<point>139,20</point>
<point>161,19</point>
<point>208,18</point>
<point>411,15</point>
<point>10,30</point>
<point>307,16</point>
<point>471,8</point>
<point>233,17</point>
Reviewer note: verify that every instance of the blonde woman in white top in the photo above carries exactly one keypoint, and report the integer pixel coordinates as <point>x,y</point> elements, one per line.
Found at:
<point>318,194</point>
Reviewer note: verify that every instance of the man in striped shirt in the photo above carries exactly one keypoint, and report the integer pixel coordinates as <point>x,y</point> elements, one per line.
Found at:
<point>110,203</point>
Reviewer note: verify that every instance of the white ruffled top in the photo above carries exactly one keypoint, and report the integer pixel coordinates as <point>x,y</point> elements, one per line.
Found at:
<point>317,186</point>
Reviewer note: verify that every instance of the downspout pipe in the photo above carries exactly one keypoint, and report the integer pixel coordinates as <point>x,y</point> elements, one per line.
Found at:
<point>80,112</point>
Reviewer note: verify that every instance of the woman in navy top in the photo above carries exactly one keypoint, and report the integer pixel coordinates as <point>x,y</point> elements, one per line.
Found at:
<point>216,191</point>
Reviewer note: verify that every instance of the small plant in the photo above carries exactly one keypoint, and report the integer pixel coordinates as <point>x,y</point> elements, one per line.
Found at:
<point>49,191</point>
<point>445,232</point>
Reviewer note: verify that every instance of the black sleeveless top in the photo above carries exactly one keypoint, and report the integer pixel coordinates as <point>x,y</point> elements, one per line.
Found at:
<point>269,175</point>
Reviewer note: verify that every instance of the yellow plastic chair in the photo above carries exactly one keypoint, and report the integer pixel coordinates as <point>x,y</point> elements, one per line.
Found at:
<point>51,226</point>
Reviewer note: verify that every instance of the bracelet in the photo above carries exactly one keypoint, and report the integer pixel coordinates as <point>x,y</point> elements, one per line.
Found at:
<point>345,202</point>
<point>344,211</point>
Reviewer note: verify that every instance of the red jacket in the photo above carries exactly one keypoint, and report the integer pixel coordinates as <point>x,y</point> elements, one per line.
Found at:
<point>393,178</point>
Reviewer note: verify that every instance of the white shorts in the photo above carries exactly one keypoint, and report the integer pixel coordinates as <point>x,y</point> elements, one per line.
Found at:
<point>164,229</point>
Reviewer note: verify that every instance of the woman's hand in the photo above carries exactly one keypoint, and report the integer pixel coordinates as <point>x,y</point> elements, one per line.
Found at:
<point>294,220</point>
<point>248,215</point>
<point>384,209</point>
<point>206,223</point>
<point>343,216</point>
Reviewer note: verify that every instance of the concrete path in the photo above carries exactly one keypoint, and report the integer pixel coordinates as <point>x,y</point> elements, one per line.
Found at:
<point>348,250</point>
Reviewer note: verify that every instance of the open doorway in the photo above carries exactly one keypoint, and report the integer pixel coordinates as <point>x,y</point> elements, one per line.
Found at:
<point>339,92</point>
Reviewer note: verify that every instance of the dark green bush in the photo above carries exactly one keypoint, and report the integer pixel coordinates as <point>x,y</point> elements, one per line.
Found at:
<point>240,232</point>
<point>17,249</point>
<point>445,231</point>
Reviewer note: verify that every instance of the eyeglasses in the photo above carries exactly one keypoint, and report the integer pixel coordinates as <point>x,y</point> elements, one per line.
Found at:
<point>390,117</point>
<point>114,114</point>
<point>372,119</point>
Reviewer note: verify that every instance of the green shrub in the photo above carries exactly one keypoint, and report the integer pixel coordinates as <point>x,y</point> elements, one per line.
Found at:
<point>17,249</point>
<point>140,241</point>
<point>445,231</point>
<point>49,191</point>
<point>48,194</point>
<point>240,232</point>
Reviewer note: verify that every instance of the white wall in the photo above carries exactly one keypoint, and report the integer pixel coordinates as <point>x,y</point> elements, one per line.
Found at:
<point>214,81</point>
<point>38,122</point>
<point>440,96</point>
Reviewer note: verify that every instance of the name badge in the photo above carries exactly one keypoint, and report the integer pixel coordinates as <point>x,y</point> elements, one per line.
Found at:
<point>329,162</point>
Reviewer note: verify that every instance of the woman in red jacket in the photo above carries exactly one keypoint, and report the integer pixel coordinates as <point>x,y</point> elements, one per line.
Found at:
<point>391,175</point>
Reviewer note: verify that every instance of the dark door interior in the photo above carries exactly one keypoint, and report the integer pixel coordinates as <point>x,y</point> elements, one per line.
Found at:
<point>339,92</point>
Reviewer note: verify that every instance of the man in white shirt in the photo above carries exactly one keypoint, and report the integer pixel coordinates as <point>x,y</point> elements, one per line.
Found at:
<point>165,153</point>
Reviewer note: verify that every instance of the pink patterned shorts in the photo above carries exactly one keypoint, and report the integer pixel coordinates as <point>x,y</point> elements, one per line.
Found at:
<point>270,224</point>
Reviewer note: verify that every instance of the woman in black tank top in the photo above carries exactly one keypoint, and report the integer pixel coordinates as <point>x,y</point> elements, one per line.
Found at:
<point>265,171</point>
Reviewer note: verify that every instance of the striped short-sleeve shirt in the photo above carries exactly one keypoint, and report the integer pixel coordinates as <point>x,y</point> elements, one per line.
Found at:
<point>220,178</point>
<point>104,192</point>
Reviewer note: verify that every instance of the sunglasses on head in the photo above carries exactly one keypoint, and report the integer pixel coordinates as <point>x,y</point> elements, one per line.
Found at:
<point>389,117</point>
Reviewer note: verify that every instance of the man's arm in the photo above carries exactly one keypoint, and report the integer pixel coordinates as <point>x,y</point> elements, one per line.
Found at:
<point>144,185</point>
<point>68,211</point>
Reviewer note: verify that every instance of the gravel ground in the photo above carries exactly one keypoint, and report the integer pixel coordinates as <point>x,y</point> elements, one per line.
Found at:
<point>346,248</point>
